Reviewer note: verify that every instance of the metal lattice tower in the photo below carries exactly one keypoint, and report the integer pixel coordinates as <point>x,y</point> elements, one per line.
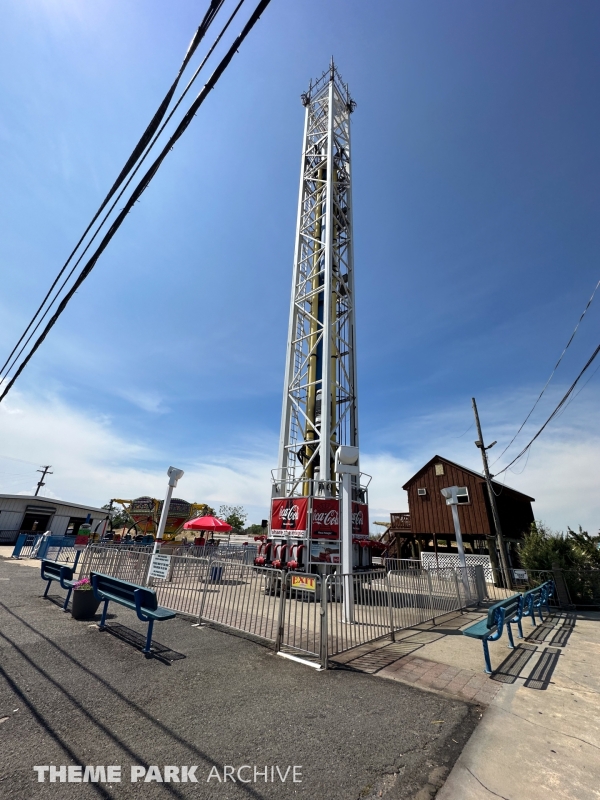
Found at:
<point>320,399</point>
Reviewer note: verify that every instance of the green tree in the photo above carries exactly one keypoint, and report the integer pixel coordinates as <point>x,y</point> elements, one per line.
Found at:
<point>255,530</point>
<point>543,547</point>
<point>587,548</point>
<point>234,516</point>
<point>118,516</point>
<point>205,511</point>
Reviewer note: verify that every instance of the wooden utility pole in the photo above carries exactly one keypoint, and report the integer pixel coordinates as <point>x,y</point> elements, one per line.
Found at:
<point>44,471</point>
<point>488,479</point>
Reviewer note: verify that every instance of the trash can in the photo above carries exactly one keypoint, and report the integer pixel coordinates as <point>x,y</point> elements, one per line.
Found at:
<point>216,574</point>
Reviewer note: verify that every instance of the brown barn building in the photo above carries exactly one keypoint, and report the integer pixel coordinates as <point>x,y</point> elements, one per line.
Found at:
<point>428,526</point>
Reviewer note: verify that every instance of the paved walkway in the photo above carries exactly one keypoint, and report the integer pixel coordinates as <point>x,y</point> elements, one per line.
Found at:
<point>70,695</point>
<point>540,734</point>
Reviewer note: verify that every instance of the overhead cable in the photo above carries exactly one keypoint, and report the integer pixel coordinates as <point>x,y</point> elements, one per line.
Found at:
<point>13,358</point>
<point>143,184</point>
<point>589,303</point>
<point>554,413</point>
<point>211,13</point>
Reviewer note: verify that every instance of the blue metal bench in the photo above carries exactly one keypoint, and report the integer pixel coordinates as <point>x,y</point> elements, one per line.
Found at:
<point>537,598</point>
<point>138,598</point>
<point>505,612</point>
<point>54,571</point>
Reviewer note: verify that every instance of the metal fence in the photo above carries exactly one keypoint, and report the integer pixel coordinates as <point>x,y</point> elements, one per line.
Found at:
<point>227,552</point>
<point>305,618</point>
<point>582,586</point>
<point>419,596</point>
<point>128,564</point>
<point>37,545</point>
<point>371,609</point>
<point>243,597</point>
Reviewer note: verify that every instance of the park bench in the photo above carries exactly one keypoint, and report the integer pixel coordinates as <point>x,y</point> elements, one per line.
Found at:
<point>55,571</point>
<point>138,598</point>
<point>501,614</point>
<point>536,599</point>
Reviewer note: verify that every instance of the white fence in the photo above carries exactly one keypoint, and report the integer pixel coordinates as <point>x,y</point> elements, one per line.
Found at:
<point>431,560</point>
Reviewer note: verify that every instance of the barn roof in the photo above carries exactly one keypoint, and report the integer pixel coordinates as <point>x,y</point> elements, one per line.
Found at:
<point>499,486</point>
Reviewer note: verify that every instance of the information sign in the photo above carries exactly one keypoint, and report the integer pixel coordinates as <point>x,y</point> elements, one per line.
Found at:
<point>159,566</point>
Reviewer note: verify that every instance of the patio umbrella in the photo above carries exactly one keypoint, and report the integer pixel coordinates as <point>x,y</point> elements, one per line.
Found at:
<point>213,524</point>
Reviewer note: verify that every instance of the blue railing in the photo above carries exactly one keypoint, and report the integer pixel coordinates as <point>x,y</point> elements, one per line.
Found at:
<point>54,548</point>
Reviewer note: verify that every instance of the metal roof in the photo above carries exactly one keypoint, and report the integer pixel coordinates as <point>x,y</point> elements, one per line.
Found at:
<point>51,501</point>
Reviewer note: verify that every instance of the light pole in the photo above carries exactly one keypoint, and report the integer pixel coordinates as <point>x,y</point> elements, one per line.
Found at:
<point>174,475</point>
<point>346,465</point>
<point>451,495</point>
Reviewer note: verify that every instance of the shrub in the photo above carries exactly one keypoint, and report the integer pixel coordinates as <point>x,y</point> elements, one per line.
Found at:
<point>543,547</point>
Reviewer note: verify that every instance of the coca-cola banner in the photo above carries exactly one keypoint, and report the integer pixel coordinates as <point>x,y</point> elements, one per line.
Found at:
<point>288,516</point>
<point>325,518</point>
<point>360,519</point>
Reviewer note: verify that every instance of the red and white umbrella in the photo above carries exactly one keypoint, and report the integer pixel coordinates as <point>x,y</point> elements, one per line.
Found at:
<point>213,524</point>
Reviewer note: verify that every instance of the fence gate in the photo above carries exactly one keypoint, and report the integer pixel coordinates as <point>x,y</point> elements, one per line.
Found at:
<point>243,597</point>
<point>303,618</point>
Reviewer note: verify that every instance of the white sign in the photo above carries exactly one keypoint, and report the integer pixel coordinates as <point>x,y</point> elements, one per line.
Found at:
<point>520,574</point>
<point>159,566</point>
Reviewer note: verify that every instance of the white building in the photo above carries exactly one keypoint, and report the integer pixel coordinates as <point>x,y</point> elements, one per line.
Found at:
<point>25,513</point>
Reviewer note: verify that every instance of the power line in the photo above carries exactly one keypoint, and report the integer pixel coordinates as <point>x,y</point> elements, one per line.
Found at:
<point>555,412</point>
<point>213,9</point>
<point>143,184</point>
<point>589,303</point>
<point>116,200</point>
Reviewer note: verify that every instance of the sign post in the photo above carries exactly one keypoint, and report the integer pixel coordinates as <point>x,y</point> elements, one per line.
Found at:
<point>174,475</point>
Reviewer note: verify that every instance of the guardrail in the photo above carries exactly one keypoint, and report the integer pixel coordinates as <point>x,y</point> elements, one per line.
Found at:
<point>224,552</point>
<point>37,545</point>
<point>301,615</point>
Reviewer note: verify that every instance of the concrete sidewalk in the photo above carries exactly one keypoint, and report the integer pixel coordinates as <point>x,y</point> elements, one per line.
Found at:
<point>540,734</point>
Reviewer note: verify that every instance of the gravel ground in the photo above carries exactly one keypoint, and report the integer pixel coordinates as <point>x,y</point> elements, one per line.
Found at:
<point>71,695</point>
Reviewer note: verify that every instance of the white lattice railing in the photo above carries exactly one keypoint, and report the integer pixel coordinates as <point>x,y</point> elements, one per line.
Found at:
<point>429,561</point>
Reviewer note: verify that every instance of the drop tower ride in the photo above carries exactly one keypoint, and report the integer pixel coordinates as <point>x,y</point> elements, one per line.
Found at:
<point>320,410</point>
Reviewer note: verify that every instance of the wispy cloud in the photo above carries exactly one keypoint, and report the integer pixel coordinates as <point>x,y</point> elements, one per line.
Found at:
<point>148,401</point>
<point>92,461</point>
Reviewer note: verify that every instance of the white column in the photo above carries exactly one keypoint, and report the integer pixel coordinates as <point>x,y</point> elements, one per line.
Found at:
<point>346,465</point>
<point>346,542</point>
<point>174,475</point>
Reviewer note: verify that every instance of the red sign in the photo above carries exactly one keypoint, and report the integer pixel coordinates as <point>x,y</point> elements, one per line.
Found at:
<point>325,518</point>
<point>81,542</point>
<point>360,519</point>
<point>288,516</point>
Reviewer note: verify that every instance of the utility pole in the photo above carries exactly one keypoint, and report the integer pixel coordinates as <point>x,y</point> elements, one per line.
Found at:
<point>44,471</point>
<point>488,479</point>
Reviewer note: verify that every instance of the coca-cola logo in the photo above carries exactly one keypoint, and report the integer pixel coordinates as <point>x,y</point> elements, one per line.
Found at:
<point>289,514</point>
<point>357,519</point>
<point>330,517</point>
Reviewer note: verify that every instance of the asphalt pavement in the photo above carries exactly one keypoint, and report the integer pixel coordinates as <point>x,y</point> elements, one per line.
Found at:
<point>243,716</point>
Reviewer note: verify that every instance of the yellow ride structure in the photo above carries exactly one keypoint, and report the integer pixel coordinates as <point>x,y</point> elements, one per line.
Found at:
<point>144,513</point>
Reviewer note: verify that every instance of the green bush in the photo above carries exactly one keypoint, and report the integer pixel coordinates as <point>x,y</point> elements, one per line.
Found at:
<point>543,547</point>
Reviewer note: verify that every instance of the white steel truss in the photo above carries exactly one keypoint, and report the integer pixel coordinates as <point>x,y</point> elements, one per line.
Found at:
<point>320,399</point>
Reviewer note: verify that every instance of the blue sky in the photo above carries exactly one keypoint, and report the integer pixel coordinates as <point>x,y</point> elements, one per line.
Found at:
<point>476,175</point>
